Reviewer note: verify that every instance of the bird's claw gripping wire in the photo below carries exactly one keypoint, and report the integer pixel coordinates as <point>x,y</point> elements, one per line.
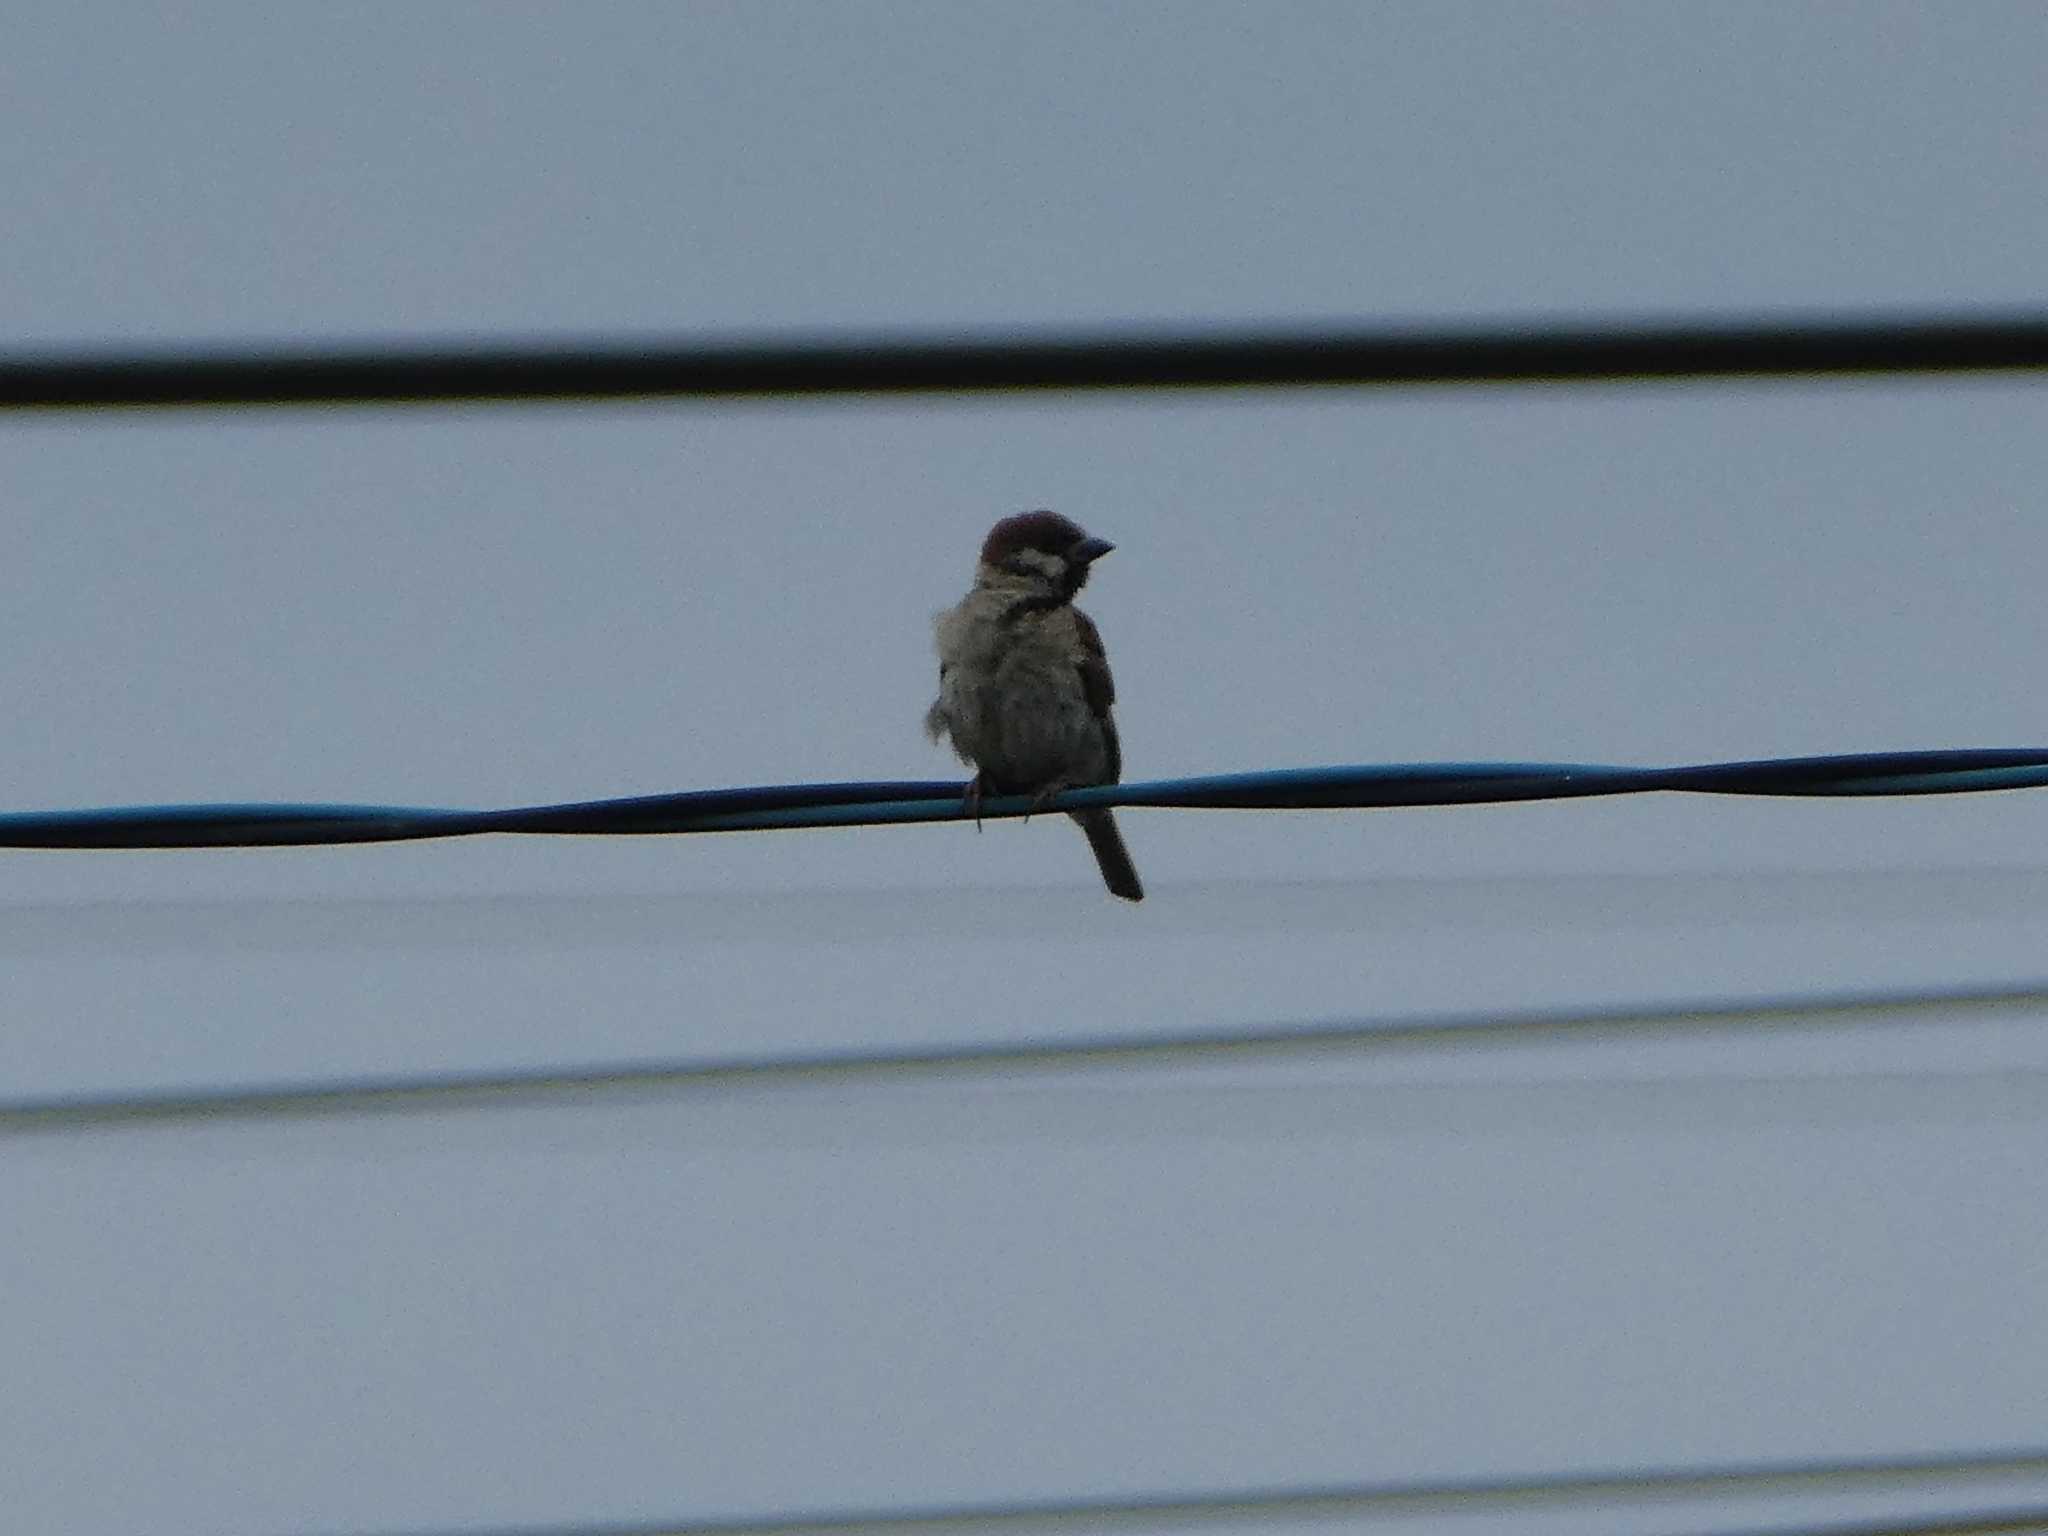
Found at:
<point>970,803</point>
<point>1045,797</point>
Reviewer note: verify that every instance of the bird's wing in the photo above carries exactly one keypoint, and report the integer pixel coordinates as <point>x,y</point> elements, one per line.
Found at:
<point>1099,689</point>
<point>1096,684</point>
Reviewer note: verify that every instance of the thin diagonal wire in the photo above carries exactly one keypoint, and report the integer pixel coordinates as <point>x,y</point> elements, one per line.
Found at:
<point>440,1091</point>
<point>1344,1500</point>
<point>791,806</point>
<point>2002,1520</point>
<point>1151,358</point>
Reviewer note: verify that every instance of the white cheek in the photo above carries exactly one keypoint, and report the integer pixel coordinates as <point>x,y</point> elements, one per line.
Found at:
<point>1052,567</point>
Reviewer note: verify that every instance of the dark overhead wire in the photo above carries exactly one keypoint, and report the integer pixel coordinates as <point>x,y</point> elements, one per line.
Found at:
<point>420,372</point>
<point>1998,1520</point>
<point>791,806</point>
<point>577,1082</point>
<point>1354,1501</point>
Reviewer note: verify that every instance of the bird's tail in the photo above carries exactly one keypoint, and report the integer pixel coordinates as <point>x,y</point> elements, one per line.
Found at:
<point>1118,872</point>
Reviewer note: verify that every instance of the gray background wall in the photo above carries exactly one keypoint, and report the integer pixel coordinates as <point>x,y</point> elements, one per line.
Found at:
<point>1370,1265</point>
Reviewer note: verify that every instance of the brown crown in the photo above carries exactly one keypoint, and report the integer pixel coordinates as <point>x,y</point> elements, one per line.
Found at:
<point>1047,531</point>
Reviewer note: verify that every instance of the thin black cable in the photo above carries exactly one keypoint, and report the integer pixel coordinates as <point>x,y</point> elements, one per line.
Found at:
<point>431,1091</point>
<point>416,372</point>
<point>1340,1500</point>
<point>789,806</point>
<point>1999,1520</point>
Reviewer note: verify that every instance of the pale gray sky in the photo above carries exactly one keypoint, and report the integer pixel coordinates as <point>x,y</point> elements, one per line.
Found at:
<point>1512,1261</point>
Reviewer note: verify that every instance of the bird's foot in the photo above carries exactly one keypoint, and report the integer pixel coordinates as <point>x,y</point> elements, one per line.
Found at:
<point>1045,797</point>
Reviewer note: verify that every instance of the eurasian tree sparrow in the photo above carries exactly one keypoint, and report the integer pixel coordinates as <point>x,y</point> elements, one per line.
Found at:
<point>1024,686</point>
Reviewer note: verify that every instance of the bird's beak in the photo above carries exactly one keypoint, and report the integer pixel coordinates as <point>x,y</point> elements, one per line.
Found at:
<point>1089,550</point>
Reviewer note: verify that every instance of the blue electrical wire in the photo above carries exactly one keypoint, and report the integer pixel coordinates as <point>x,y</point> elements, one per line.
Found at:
<point>769,807</point>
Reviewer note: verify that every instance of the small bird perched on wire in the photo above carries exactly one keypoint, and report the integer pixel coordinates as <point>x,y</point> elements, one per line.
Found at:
<point>1024,686</point>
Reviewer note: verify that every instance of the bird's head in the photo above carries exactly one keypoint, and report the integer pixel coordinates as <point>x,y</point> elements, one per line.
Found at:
<point>1039,553</point>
